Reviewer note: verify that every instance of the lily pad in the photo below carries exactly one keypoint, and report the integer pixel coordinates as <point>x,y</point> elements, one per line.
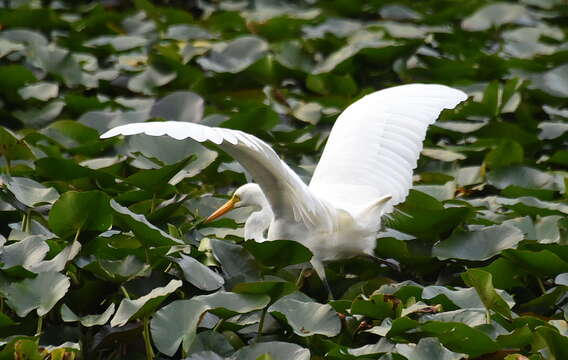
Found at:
<point>307,317</point>
<point>176,324</point>
<point>40,293</point>
<point>235,56</point>
<point>30,192</point>
<point>80,211</point>
<point>129,309</point>
<point>198,274</point>
<point>478,244</point>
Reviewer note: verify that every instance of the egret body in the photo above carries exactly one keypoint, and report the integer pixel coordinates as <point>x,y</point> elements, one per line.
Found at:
<point>365,169</point>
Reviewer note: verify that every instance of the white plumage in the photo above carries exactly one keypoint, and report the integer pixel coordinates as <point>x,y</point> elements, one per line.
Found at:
<point>365,169</point>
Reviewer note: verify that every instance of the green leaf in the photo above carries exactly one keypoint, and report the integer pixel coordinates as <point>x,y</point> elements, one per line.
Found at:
<point>13,78</point>
<point>363,40</point>
<point>442,154</point>
<point>252,119</point>
<point>148,80</point>
<point>171,151</point>
<point>65,170</point>
<point>377,307</point>
<point>227,304</point>
<point>505,274</point>
<point>518,338</point>
<point>236,56</point>
<point>556,344</point>
<point>179,106</point>
<point>495,14</point>
<point>30,192</point>
<point>521,176</point>
<point>198,274</point>
<point>144,305</point>
<point>27,349</point>
<point>424,216</point>
<point>561,279</point>
<point>276,349</point>
<point>68,315</point>
<point>508,152</point>
<point>275,289</point>
<point>479,244</point>
<point>154,179</point>
<point>430,349</point>
<point>544,262</point>
<point>148,234</point>
<point>80,211</point>
<point>482,281</point>
<point>278,253</point>
<point>491,99</point>
<point>72,134</point>
<point>176,323</point>
<point>26,253</point>
<point>552,130</point>
<point>461,338</point>
<point>237,264</point>
<point>12,147</point>
<point>212,342</point>
<point>40,293</point>
<point>307,317</point>
<point>42,91</point>
<point>38,117</point>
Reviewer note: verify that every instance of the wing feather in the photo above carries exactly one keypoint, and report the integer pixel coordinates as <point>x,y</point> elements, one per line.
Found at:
<point>287,194</point>
<point>374,145</point>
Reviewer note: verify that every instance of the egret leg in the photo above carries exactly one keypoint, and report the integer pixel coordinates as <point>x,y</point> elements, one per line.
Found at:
<point>392,264</point>
<point>320,270</point>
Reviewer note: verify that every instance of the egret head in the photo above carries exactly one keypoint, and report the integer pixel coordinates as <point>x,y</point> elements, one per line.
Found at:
<point>246,195</point>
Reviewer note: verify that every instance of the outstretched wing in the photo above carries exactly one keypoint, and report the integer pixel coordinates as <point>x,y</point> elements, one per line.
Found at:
<point>375,143</point>
<point>287,194</point>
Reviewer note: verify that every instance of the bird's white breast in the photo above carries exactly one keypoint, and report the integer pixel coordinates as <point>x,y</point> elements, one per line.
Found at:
<point>346,239</point>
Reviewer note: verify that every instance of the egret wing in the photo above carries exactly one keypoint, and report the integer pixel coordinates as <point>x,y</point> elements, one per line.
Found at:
<point>375,143</point>
<point>288,195</point>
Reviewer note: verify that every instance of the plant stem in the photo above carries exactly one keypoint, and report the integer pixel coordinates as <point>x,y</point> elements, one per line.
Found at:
<point>300,278</point>
<point>76,238</point>
<point>261,323</point>
<point>147,343</point>
<point>152,203</point>
<point>541,285</point>
<point>8,166</point>
<point>39,327</point>
<point>219,324</point>
<point>124,292</point>
<point>26,221</point>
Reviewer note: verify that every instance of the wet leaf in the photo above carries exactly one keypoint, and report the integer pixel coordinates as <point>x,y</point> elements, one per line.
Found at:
<point>144,305</point>
<point>275,349</point>
<point>307,317</point>
<point>30,192</point>
<point>235,56</point>
<point>80,211</point>
<point>40,293</point>
<point>198,274</point>
<point>278,253</point>
<point>147,233</point>
<point>88,320</point>
<point>482,281</point>
<point>478,244</point>
<point>175,324</point>
<point>226,304</point>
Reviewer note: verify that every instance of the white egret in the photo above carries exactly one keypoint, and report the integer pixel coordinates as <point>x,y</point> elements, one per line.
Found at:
<point>365,169</point>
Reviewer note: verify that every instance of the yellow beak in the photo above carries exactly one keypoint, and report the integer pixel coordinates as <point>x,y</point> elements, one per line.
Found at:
<point>228,206</point>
